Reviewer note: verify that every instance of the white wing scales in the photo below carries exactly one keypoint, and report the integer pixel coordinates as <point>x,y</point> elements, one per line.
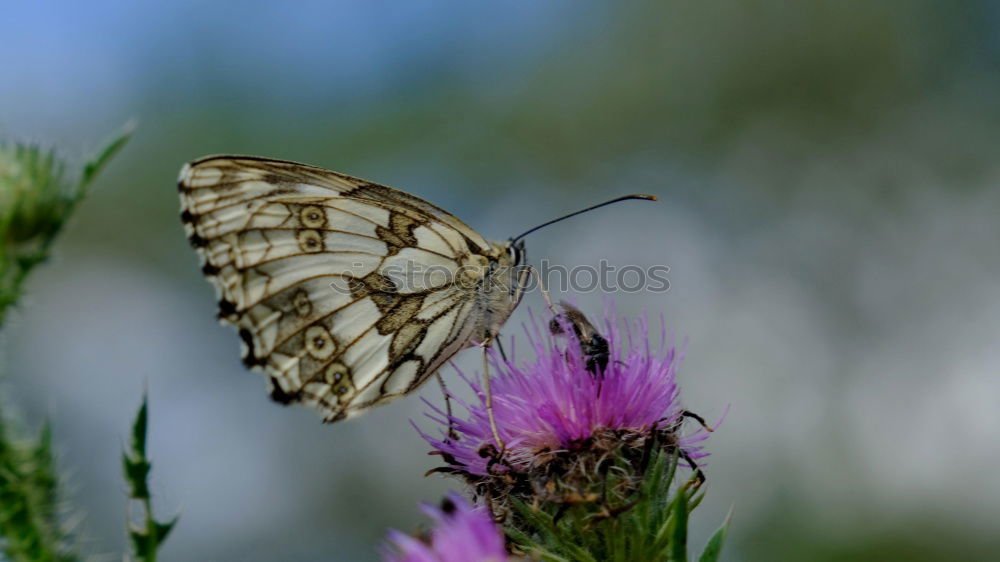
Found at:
<point>315,269</point>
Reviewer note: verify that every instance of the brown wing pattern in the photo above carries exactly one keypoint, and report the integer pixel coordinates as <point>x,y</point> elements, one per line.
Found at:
<point>306,265</point>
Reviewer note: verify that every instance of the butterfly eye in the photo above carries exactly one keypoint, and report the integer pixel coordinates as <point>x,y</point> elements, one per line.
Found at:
<point>516,253</point>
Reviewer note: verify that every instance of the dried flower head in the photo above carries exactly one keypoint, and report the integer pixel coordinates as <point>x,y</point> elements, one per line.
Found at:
<point>462,533</point>
<point>567,420</point>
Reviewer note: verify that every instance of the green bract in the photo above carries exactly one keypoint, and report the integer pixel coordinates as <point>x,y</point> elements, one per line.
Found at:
<point>36,199</point>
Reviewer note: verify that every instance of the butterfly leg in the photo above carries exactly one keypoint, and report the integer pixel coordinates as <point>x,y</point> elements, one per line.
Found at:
<point>489,395</point>
<point>447,405</point>
<point>545,292</point>
<point>503,354</point>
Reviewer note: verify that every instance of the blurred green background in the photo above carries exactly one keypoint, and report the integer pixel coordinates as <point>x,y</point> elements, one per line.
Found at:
<point>830,212</point>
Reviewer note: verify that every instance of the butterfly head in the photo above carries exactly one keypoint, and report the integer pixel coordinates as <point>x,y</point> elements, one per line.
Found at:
<point>501,272</point>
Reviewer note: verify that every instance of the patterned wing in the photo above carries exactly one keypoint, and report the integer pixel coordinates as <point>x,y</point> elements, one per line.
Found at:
<point>315,270</point>
<point>215,181</point>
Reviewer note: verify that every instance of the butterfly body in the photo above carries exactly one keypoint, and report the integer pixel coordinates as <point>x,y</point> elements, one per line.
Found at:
<point>346,293</point>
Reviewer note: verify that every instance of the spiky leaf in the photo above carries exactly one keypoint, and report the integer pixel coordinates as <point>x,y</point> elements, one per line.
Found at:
<point>147,534</point>
<point>106,153</point>
<point>714,546</point>
<point>30,522</point>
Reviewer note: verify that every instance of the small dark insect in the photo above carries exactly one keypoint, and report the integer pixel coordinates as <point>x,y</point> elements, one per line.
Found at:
<point>594,346</point>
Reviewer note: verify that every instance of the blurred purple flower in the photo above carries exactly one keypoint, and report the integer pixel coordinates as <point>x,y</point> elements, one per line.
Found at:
<point>462,533</point>
<point>554,403</point>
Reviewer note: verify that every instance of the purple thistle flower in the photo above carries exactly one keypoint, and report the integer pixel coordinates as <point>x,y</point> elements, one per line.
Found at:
<point>555,403</point>
<point>462,533</point>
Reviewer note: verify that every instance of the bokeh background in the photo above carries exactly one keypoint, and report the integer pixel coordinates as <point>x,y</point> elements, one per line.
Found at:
<point>830,212</point>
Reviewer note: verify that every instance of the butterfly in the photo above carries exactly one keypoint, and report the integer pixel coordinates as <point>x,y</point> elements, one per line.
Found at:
<point>320,273</point>
<point>346,293</point>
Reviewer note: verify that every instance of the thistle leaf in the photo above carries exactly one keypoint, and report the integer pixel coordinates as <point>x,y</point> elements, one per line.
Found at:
<point>677,527</point>
<point>134,461</point>
<point>714,546</point>
<point>147,534</point>
<point>106,153</point>
<point>139,426</point>
<point>30,514</point>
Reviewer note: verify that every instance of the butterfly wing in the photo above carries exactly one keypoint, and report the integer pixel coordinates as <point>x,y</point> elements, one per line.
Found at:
<point>315,270</point>
<point>216,182</point>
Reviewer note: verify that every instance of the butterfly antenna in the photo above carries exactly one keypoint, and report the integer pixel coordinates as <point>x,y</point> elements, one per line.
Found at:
<point>581,211</point>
